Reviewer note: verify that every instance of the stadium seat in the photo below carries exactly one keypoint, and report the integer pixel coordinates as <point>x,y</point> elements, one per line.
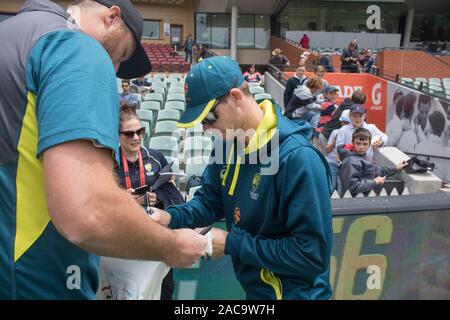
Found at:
<point>160,85</point>
<point>175,97</point>
<point>174,105</point>
<point>176,90</point>
<point>197,146</point>
<point>153,106</point>
<point>147,132</point>
<point>168,115</point>
<point>147,116</point>
<point>253,84</point>
<point>257,90</point>
<point>262,96</point>
<point>167,145</point>
<point>166,128</point>
<point>177,84</point>
<point>154,97</point>
<point>196,130</point>
<point>159,90</point>
<point>160,76</point>
<point>424,80</point>
<point>196,166</point>
<point>175,76</point>
<point>435,81</point>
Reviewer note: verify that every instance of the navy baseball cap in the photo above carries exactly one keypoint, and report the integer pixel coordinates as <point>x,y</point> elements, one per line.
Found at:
<point>208,81</point>
<point>331,89</point>
<point>357,108</point>
<point>138,65</point>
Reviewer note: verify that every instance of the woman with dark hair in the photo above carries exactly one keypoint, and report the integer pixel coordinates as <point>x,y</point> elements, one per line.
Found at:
<point>139,167</point>
<point>350,57</point>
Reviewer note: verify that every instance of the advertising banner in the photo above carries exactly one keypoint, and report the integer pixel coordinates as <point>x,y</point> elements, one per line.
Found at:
<point>395,256</point>
<point>420,124</point>
<point>373,87</point>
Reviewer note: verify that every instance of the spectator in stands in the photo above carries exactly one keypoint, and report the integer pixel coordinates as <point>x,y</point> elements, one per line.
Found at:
<point>358,172</point>
<point>279,235</point>
<point>368,61</point>
<point>200,52</point>
<point>358,97</point>
<point>408,140</point>
<point>319,71</point>
<point>328,108</point>
<point>350,57</point>
<point>325,60</point>
<point>138,168</point>
<point>293,83</point>
<point>127,96</point>
<point>252,75</point>
<point>421,120</point>
<point>278,59</point>
<point>65,138</point>
<point>357,116</point>
<point>331,151</point>
<point>188,47</point>
<point>304,42</point>
<point>142,85</point>
<point>302,105</point>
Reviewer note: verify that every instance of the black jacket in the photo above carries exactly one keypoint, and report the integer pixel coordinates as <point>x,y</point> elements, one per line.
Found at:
<point>291,85</point>
<point>358,171</point>
<point>153,161</point>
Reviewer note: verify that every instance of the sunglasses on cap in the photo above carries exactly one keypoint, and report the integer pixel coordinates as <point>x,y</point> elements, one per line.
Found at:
<point>130,134</point>
<point>211,117</point>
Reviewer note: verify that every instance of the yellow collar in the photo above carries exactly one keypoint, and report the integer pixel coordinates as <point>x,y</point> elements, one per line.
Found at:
<point>266,128</point>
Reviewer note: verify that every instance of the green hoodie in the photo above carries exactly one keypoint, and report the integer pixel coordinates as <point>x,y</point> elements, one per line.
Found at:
<point>280,227</point>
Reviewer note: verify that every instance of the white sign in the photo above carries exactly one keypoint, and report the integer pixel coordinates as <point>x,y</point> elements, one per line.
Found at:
<point>167,29</point>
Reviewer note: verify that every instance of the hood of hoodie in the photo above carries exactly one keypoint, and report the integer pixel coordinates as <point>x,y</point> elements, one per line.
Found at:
<point>270,135</point>
<point>46,6</point>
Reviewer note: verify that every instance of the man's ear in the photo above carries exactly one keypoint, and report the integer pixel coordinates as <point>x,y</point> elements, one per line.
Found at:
<point>237,95</point>
<point>112,16</point>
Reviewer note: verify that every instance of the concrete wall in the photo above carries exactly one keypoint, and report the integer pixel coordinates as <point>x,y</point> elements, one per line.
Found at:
<point>274,88</point>
<point>416,183</point>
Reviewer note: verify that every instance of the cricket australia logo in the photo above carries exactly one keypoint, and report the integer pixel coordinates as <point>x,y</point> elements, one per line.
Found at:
<point>255,185</point>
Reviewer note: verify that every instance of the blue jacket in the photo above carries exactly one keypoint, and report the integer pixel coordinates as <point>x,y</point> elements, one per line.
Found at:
<point>279,225</point>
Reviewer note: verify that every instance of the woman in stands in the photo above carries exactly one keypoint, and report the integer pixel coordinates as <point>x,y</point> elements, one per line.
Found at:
<point>252,75</point>
<point>138,168</point>
<point>350,58</point>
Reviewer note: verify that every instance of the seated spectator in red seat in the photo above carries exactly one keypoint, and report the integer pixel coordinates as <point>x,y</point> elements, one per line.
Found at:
<point>252,75</point>
<point>358,173</point>
<point>127,96</point>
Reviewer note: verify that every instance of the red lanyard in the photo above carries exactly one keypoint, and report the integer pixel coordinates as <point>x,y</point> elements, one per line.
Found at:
<point>127,171</point>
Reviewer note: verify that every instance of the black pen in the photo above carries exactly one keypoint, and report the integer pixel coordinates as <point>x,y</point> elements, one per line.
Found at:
<point>205,231</point>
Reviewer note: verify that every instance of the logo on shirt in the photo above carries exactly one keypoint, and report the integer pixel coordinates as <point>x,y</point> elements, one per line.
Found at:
<point>255,184</point>
<point>149,168</point>
<point>237,215</point>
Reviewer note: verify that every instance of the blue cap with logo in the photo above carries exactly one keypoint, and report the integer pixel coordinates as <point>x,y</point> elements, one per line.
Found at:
<point>208,81</point>
<point>357,108</point>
